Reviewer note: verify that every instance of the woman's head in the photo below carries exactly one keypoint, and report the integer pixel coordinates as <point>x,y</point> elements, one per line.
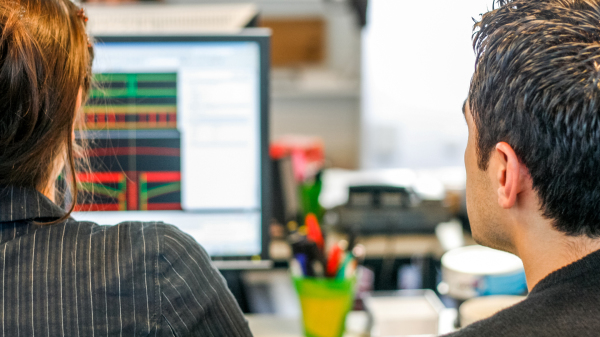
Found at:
<point>45,61</point>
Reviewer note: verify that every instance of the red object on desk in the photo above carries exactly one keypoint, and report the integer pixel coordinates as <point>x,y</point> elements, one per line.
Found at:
<point>307,154</point>
<point>333,263</point>
<point>313,230</point>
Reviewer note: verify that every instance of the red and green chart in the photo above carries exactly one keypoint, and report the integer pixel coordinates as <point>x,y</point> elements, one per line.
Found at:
<point>134,144</point>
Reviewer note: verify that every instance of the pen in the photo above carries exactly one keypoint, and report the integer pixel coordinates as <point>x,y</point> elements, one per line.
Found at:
<point>303,261</point>
<point>309,248</point>
<point>315,254</point>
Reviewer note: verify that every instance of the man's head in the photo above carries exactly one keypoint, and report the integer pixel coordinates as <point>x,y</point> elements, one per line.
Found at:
<point>534,105</point>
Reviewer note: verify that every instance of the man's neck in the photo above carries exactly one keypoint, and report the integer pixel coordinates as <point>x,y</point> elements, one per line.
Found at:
<point>544,253</point>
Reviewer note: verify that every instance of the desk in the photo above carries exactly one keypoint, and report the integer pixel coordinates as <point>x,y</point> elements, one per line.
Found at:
<point>356,324</point>
<point>277,326</point>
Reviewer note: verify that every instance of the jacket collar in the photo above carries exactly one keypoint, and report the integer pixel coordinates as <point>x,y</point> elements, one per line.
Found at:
<point>26,203</point>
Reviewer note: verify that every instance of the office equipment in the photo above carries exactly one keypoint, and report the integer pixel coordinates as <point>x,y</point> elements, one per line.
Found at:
<point>161,19</point>
<point>404,312</point>
<point>479,308</point>
<point>473,271</point>
<point>397,201</point>
<point>375,209</point>
<point>296,163</point>
<point>179,133</point>
<point>326,286</point>
<point>325,302</point>
<point>268,325</point>
<point>307,154</point>
<point>285,193</point>
<point>263,325</point>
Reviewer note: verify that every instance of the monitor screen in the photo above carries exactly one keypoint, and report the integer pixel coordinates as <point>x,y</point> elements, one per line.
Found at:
<point>177,133</point>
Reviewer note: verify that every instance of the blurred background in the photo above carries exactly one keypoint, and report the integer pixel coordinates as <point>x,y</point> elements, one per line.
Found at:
<point>365,130</point>
<point>380,82</point>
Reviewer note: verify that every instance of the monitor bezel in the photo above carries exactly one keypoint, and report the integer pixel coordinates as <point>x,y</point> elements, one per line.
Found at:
<point>262,38</point>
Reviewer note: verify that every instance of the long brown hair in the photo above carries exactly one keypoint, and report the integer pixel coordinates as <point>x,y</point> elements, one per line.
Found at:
<point>45,58</point>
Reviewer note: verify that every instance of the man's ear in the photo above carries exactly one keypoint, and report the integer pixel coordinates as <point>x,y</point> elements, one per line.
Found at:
<point>508,174</point>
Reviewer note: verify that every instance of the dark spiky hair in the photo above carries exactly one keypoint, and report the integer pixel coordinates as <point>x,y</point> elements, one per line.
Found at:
<point>536,86</point>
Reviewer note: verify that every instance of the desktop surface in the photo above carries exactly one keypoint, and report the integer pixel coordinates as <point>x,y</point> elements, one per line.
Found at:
<point>357,324</point>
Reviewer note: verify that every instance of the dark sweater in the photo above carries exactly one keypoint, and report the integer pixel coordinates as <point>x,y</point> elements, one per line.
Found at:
<point>77,278</point>
<point>565,303</point>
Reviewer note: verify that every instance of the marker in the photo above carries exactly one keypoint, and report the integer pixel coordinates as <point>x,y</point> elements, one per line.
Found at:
<point>313,230</point>
<point>334,260</point>
<point>345,266</point>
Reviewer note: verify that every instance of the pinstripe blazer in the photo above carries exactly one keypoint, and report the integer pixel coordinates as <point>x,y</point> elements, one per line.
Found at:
<point>81,279</point>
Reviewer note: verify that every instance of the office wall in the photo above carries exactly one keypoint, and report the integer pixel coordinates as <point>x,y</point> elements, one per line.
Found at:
<point>333,117</point>
<point>417,65</point>
<point>324,100</point>
<point>343,38</point>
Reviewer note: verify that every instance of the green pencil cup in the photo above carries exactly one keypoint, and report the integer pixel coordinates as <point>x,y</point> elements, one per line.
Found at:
<point>325,304</point>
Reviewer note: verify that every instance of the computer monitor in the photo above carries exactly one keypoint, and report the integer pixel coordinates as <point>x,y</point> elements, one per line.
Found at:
<point>178,133</point>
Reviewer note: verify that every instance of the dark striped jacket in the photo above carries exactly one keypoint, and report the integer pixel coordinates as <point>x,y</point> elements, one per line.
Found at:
<point>82,279</point>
